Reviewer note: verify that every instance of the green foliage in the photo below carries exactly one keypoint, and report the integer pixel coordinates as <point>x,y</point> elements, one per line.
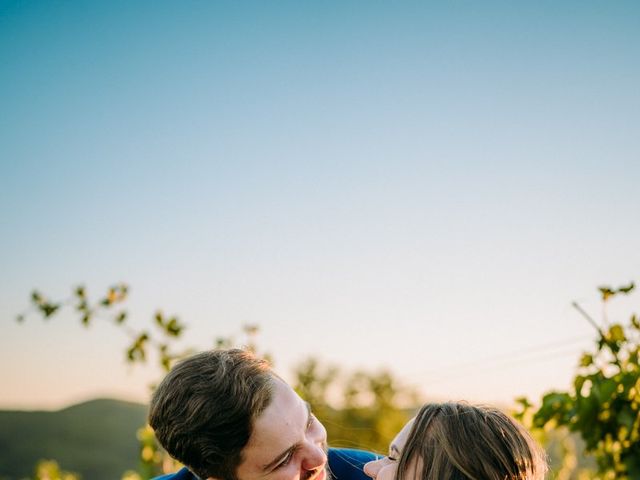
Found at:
<point>110,308</point>
<point>370,410</point>
<point>50,470</point>
<point>603,405</point>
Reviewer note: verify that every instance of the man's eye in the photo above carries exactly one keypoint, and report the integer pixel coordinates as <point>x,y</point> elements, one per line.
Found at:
<point>285,461</point>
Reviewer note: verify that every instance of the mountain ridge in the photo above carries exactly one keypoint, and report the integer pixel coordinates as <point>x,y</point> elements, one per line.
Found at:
<point>95,438</point>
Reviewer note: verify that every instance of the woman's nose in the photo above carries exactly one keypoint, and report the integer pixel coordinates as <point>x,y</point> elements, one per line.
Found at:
<point>373,467</point>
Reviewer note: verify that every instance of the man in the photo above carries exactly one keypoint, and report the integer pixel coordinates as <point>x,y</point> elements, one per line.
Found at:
<point>226,415</point>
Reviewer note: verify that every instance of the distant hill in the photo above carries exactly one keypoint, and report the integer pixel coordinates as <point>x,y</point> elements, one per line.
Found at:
<point>96,439</point>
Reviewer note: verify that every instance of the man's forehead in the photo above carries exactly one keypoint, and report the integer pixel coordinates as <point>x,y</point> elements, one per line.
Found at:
<point>277,428</point>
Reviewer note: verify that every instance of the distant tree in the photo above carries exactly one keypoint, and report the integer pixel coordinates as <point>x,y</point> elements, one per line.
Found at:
<point>603,404</point>
<point>50,470</point>
<point>369,408</point>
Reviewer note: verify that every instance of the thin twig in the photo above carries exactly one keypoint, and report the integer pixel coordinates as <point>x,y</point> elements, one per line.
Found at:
<point>589,319</point>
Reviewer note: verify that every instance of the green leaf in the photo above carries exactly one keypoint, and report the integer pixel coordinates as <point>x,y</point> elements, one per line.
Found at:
<point>633,359</point>
<point>578,383</point>
<point>606,293</point>
<point>49,309</point>
<point>37,297</point>
<point>586,361</point>
<point>173,327</point>
<point>555,406</point>
<point>626,290</point>
<point>137,351</point>
<point>632,464</point>
<point>626,417</point>
<point>166,363</point>
<point>604,389</point>
<point>616,333</point>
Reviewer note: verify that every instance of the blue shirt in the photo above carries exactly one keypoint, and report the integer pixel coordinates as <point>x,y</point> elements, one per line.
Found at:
<point>344,463</point>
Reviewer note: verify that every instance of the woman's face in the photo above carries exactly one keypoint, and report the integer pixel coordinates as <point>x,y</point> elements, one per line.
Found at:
<point>385,467</point>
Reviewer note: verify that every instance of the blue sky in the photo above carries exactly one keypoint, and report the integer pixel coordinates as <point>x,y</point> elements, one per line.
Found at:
<point>416,186</point>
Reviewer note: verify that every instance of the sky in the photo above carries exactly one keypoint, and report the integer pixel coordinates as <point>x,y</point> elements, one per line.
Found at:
<point>417,187</point>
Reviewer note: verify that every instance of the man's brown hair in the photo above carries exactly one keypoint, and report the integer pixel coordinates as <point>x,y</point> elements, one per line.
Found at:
<point>457,441</point>
<point>203,410</point>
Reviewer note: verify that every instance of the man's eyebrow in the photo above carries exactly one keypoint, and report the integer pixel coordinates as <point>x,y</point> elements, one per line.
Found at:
<point>271,465</point>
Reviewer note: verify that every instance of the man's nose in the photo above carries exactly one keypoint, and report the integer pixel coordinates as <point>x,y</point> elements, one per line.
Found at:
<point>315,457</point>
<point>373,467</point>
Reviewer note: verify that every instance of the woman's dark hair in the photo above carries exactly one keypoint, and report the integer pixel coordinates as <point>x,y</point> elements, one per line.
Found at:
<point>457,441</point>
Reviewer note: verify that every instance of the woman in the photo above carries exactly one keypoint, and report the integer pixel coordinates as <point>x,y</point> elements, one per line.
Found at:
<point>456,441</point>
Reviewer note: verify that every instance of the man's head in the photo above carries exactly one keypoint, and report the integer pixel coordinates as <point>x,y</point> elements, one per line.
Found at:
<point>227,416</point>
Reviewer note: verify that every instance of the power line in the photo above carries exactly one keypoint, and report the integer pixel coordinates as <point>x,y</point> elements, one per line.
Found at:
<point>509,357</point>
<point>502,365</point>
